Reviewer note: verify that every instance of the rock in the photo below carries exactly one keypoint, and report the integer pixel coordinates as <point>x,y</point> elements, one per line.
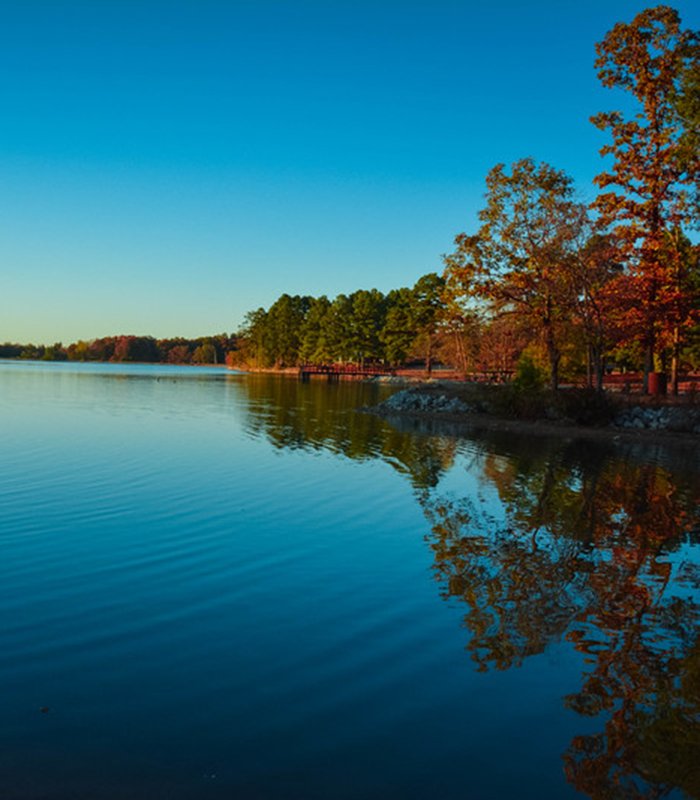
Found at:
<point>391,379</point>
<point>676,419</point>
<point>412,400</point>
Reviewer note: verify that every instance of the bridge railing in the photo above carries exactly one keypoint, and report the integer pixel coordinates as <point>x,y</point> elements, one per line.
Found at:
<point>344,369</point>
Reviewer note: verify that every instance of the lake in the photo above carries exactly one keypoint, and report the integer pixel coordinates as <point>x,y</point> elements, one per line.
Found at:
<point>216,585</point>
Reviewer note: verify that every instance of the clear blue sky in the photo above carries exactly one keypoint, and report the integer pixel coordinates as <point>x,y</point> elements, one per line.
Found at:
<point>168,166</point>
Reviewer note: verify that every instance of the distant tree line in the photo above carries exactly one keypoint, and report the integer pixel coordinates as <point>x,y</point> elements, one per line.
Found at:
<point>204,350</point>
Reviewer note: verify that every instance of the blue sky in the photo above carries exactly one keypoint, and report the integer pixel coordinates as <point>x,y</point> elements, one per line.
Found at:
<point>167,167</point>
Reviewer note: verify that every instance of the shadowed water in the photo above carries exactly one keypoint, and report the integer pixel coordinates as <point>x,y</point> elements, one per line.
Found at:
<point>224,586</point>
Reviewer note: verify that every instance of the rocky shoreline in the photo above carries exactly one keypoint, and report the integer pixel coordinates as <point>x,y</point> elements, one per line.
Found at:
<point>675,419</point>
<point>441,402</point>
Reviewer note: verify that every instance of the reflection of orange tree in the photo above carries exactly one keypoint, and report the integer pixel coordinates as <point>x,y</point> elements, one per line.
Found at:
<point>646,678</point>
<point>521,591</point>
<point>642,645</point>
<point>582,553</point>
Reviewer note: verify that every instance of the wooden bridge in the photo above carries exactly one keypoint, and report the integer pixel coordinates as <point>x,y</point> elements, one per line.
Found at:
<point>334,372</point>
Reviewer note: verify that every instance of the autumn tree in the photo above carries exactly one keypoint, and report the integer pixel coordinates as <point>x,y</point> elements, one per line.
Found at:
<point>135,348</point>
<point>461,322</point>
<point>101,349</point>
<point>683,289</point>
<point>596,281</point>
<point>648,190</point>
<point>78,351</point>
<point>517,262</point>
<point>178,354</point>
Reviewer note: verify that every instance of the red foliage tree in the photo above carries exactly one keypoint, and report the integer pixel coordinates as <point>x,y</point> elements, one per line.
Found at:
<point>648,192</point>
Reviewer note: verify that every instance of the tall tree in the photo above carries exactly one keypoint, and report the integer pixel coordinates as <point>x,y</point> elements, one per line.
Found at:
<point>284,321</point>
<point>399,332</point>
<point>597,283</point>
<point>427,309</point>
<point>335,331</point>
<point>683,290</point>
<point>518,260</point>
<point>648,190</point>
<point>365,322</point>
<point>254,336</point>
<point>313,347</point>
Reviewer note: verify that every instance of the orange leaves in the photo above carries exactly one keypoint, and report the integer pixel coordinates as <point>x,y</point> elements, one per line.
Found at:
<point>650,179</point>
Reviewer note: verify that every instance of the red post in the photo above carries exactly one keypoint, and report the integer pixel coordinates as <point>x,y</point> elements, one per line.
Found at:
<point>657,383</point>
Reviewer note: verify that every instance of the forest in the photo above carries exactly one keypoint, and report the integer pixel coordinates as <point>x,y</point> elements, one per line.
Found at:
<point>573,289</point>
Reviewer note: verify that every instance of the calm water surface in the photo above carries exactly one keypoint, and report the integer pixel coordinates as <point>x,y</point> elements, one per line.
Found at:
<point>224,586</point>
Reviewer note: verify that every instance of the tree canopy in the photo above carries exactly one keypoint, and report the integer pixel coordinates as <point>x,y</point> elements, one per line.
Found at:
<point>520,261</point>
<point>649,190</point>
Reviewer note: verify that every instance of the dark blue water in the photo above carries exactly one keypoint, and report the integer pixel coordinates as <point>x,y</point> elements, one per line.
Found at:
<point>224,586</point>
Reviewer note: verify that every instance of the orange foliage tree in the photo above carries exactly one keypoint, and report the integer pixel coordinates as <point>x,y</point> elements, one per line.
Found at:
<point>649,190</point>
<point>519,262</point>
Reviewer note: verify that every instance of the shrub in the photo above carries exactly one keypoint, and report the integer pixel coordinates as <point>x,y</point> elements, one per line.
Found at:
<point>583,406</point>
<point>529,377</point>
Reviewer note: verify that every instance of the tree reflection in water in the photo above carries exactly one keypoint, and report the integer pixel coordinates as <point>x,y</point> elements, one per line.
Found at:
<point>590,543</point>
<point>591,550</point>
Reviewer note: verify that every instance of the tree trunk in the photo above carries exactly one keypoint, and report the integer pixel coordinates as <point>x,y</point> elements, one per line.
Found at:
<point>675,358</point>
<point>459,346</point>
<point>554,356</point>
<point>648,363</point>
<point>598,364</point>
<point>599,370</point>
<point>589,366</point>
